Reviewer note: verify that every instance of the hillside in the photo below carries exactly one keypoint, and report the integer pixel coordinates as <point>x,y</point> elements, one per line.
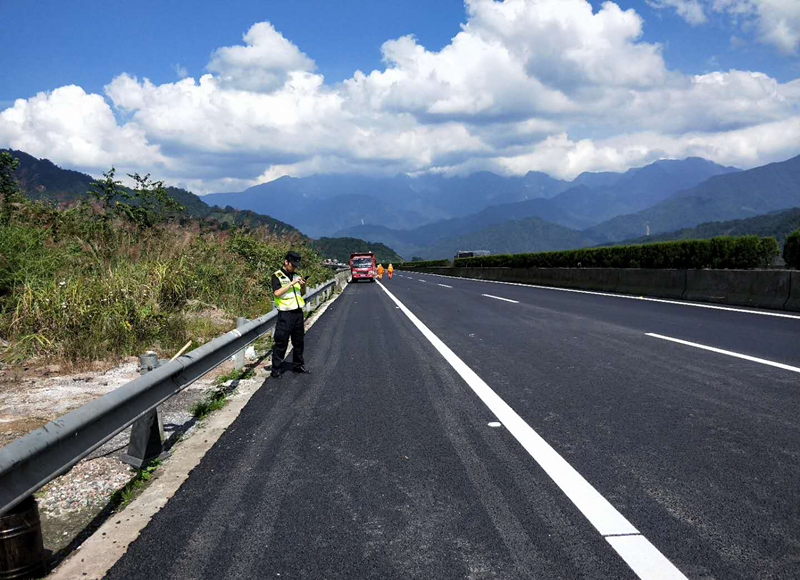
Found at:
<point>726,197</point>
<point>776,224</point>
<point>41,179</point>
<point>526,235</point>
<point>329,205</point>
<point>340,249</point>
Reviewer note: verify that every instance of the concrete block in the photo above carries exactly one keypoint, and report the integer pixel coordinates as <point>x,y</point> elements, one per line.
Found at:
<point>652,282</point>
<point>756,288</point>
<point>793,303</point>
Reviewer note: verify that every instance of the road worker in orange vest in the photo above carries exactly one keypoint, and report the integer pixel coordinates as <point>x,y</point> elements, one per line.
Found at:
<point>380,270</point>
<point>390,270</point>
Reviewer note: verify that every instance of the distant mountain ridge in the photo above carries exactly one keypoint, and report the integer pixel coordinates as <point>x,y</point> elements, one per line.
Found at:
<point>745,194</point>
<point>731,193</point>
<point>777,224</point>
<point>42,179</point>
<point>332,204</point>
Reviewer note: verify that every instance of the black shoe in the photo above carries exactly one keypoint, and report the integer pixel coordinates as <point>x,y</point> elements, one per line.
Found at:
<point>301,370</point>
<point>274,375</point>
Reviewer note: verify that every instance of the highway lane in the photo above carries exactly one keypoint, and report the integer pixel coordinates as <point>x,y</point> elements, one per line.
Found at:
<point>381,464</point>
<point>698,449</point>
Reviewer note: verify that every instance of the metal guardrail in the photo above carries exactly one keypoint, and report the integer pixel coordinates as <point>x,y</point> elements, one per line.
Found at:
<point>35,459</point>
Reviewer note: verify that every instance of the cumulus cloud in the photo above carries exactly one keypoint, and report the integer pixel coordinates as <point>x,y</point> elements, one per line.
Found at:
<point>79,129</point>
<point>263,64</point>
<point>777,22</point>
<point>549,85</point>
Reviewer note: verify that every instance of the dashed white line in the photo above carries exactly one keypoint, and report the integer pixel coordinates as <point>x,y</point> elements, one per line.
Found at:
<point>500,298</point>
<point>630,297</point>
<point>421,280</point>
<point>727,352</point>
<point>643,558</point>
<point>445,286</point>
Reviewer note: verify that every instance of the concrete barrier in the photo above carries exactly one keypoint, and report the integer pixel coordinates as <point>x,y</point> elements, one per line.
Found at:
<point>652,282</point>
<point>776,289</point>
<point>757,288</point>
<point>793,303</point>
<point>597,279</point>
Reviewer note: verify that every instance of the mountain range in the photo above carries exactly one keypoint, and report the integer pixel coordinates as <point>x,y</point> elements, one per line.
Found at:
<point>332,204</point>
<point>433,216</point>
<point>42,179</point>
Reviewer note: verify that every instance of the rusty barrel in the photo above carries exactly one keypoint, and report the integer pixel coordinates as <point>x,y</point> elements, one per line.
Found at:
<point>21,549</point>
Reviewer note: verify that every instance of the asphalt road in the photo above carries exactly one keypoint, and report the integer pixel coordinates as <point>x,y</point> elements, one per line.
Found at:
<point>382,464</point>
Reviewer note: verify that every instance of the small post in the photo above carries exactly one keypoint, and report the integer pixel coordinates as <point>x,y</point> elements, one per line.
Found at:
<point>239,356</point>
<point>147,436</point>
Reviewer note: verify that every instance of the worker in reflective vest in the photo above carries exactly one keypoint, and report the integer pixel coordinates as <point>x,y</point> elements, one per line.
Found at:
<point>380,270</point>
<point>390,269</point>
<point>288,287</point>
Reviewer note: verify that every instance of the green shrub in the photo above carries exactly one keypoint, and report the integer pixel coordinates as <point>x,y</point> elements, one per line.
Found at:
<point>424,264</point>
<point>743,252</point>
<point>791,251</point>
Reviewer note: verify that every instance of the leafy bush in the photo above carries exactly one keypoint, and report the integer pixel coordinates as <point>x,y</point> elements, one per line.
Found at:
<point>791,251</point>
<point>743,252</point>
<point>98,282</point>
<point>423,264</point>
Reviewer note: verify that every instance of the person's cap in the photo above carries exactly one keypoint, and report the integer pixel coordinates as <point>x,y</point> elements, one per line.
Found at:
<point>293,258</point>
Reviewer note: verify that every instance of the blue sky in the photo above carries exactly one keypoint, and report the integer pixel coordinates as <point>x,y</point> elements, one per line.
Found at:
<point>95,44</point>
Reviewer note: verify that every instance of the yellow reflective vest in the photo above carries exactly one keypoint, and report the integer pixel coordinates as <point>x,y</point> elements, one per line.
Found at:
<point>291,299</point>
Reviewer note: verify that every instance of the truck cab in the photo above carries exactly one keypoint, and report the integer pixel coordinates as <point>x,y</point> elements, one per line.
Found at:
<point>362,266</point>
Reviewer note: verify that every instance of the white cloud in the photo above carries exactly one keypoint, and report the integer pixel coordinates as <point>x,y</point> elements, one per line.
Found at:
<point>525,85</point>
<point>181,71</point>
<point>777,22</point>
<point>263,64</point>
<point>79,129</point>
<point>690,10</point>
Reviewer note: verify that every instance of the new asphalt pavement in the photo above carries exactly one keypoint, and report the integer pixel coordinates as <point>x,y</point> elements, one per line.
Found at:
<point>466,429</point>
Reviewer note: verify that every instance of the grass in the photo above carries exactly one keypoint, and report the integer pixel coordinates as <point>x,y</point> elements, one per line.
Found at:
<point>235,375</point>
<point>123,496</point>
<point>75,287</point>
<point>214,400</point>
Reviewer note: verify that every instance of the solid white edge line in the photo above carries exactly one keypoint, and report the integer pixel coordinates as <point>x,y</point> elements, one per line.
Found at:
<point>595,508</point>
<point>629,297</point>
<point>500,298</point>
<point>644,558</point>
<point>727,352</point>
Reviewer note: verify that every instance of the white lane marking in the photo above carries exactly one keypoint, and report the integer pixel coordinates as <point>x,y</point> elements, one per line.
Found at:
<point>728,352</point>
<point>445,286</point>
<point>597,509</point>
<point>495,424</point>
<point>644,558</point>
<point>421,280</point>
<point>499,298</point>
<point>629,297</point>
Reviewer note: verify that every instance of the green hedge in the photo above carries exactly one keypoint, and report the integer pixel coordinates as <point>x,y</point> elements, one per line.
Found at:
<point>424,264</point>
<point>743,252</point>
<point>791,251</point>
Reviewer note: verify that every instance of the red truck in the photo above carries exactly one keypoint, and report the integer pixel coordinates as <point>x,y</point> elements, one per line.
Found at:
<point>362,266</point>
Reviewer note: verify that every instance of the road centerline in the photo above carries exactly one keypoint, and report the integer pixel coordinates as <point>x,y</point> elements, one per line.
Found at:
<point>726,352</point>
<point>644,559</point>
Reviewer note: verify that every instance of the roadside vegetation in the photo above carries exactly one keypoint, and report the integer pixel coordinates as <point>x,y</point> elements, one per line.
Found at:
<point>124,271</point>
<point>791,251</point>
<point>744,252</point>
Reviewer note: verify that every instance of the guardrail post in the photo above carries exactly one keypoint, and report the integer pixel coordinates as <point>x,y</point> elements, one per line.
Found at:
<point>147,435</point>
<point>21,547</point>
<point>239,356</point>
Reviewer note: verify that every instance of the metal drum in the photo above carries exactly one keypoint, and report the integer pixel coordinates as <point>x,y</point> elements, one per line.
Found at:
<point>21,548</point>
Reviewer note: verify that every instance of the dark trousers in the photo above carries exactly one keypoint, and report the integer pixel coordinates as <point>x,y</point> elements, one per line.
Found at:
<point>289,324</point>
